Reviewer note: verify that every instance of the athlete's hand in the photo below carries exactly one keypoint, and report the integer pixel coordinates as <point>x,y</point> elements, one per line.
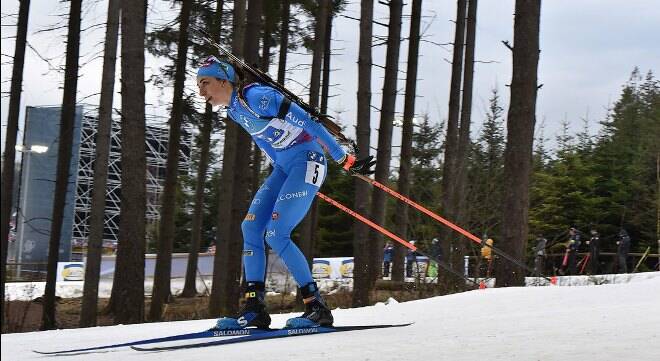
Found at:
<point>358,166</point>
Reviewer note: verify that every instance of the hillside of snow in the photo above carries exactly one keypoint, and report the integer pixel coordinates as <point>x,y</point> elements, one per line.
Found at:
<point>605,322</point>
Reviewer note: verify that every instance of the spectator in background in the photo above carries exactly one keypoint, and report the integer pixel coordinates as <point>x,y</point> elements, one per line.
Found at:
<point>574,242</point>
<point>594,251</point>
<point>623,247</point>
<point>487,255</point>
<point>436,254</point>
<point>387,258</point>
<point>539,254</point>
<point>411,257</point>
<point>211,249</point>
<point>436,250</point>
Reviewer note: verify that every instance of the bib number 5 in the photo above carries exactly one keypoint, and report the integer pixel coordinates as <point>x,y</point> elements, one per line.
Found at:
<point>315,173</point>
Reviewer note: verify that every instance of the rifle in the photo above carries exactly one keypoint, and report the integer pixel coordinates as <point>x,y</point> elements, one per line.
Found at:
<point>263,77</point>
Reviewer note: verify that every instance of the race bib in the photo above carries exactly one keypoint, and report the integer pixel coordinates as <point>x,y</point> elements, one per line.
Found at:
<point>315,173</point>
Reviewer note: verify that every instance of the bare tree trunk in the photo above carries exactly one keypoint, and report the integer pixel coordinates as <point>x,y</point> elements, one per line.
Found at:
<point>327,52</point>
<point>520,137</point>
<point>284,42</point>
<point>460,174</point>
<point>224,294</point>
<point>190,285</point>
<point>317,56</point>
<point>223,237</point>
<point>163,273</point>
<point>363,131</point>
<point>247,182</point>
<point>242,176</point>
<point>307,229</point>
<point>128,287</point>
<point>264,64</point>
<point>379,200</point>
<point>9,154</point>
<point>466,110</point>
<point>63,162</point>
<point>449,181</point>
<point>406,138</point>
<point>102,153</point>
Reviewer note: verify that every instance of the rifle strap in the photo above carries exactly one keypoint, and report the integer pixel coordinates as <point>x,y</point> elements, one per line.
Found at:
<point>284,108</point>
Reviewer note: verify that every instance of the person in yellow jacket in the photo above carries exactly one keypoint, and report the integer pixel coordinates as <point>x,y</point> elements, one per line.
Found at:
<point>487,255</point>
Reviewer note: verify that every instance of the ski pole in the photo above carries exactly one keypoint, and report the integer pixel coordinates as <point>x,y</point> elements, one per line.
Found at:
<point>584,262</point>
<point>420,208</point>
<point>393,236</point>
<point>641,259</point>
<point>443,221</point>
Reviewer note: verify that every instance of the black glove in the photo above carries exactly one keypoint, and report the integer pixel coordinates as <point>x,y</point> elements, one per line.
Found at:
<point>359,166</point>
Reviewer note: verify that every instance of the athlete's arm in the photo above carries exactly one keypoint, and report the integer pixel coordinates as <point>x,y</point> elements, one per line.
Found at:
<point>268,102</point>
<point>267,148</point>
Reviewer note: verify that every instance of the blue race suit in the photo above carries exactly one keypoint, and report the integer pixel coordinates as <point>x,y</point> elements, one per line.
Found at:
<point>292,141</point>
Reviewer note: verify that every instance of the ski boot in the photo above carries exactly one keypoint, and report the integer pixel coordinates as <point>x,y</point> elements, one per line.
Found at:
<point>253,313</point>
<point>316,313</point>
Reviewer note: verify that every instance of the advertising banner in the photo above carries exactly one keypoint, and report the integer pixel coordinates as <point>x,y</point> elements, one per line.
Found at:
<point>70,271</point>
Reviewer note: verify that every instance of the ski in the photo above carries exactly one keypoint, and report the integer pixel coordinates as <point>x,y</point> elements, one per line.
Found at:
<point>186,336</point>
<point>267,335</point>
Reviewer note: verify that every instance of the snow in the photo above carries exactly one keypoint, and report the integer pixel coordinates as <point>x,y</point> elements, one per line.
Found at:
<point>604,322</point>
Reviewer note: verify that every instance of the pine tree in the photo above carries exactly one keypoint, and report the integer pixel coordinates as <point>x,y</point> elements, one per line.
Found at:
<point>382,173</point>
<point>521,119</point>
<point>487,172</point>
<point>363,134</point>
<point>127,299</point>
<point>162,275</point>
<point>625,158</point>
<point>9,154</point>
<point>65,145</point>
<point>426,175</point>
<point>102,154</point>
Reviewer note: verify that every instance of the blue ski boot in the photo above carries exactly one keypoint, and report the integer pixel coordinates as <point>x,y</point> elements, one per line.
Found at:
<point>316,313</point>
<point>253,313</point>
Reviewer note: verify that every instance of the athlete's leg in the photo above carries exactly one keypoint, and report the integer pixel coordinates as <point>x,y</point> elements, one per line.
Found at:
<point>254,313</point>
<point>304,178</point>
<point>254,225</point>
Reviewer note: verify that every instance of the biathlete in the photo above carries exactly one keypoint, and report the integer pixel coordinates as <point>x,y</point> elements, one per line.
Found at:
<point>294,142</point>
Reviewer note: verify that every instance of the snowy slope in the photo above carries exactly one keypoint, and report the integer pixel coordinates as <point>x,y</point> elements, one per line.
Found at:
<point>607,322</point>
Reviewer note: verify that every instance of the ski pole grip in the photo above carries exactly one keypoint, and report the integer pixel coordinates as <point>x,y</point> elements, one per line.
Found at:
<point>348,163</point>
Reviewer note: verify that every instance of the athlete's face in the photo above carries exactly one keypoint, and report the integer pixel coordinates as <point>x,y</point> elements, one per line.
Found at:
<point>215,91</point>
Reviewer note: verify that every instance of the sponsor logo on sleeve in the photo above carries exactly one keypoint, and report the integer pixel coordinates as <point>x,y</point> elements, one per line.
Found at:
<point>295,120</point>
<point>264,102</point>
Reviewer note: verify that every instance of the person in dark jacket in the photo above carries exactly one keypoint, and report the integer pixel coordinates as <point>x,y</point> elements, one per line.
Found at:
<point>436,254</point>
<point>387,258</point>
<point>411,258</point>
<point>623,247</point>
<point>594,251</point>
<point>574,242</point>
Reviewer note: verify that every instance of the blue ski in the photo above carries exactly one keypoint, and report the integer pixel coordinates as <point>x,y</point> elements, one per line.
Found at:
<point>187,336</point>
<point>267,335</point>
